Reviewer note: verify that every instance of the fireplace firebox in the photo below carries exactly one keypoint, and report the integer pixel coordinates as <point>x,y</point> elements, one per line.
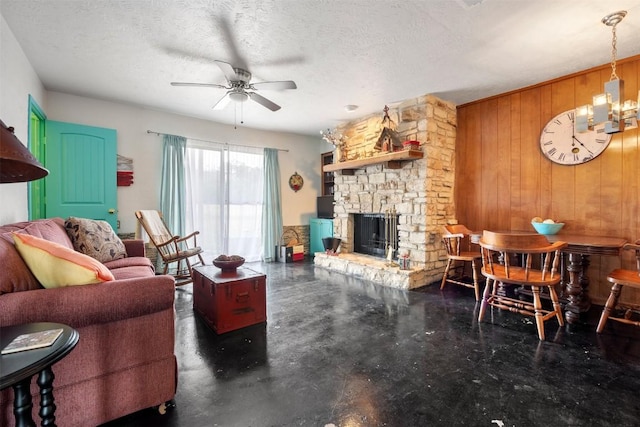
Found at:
<point>374,233</point>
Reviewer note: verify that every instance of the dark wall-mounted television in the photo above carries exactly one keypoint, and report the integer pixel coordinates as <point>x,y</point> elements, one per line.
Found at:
<point>324,206</point>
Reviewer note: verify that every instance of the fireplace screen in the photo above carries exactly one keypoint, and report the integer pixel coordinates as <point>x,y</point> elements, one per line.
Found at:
<point>373,233</point>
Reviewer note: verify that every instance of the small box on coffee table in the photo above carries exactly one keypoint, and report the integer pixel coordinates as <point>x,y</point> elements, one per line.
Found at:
<point>227,301</point>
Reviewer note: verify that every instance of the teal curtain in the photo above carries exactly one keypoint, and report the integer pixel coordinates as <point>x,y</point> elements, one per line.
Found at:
<point>272,207</point>
<point>173,187</point>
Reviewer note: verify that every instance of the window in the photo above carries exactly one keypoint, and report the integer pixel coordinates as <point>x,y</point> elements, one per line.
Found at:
<point>224,198</point>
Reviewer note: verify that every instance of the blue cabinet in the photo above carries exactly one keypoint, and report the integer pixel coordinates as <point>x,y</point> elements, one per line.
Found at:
<point>318,229</point>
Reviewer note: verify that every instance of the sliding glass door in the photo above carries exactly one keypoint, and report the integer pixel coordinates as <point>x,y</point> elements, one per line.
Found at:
<point>224,198</point>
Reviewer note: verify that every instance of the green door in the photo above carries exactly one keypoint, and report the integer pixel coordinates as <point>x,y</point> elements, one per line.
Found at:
<point>82,162</point>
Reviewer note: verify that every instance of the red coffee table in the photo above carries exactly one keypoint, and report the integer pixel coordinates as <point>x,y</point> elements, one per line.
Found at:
<point>227,301</point>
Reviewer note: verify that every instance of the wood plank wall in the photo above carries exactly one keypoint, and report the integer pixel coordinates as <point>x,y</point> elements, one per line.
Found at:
<point>503,179</point>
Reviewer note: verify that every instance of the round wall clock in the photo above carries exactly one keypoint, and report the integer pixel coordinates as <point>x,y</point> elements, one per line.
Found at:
<point>296,182</point>
<point>561,144</point>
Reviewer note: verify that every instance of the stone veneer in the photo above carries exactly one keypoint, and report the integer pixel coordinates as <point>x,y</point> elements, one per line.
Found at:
<point>421,192</point>
<point>302,233</point>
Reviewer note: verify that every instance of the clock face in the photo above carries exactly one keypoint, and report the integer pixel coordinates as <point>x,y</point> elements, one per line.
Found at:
<point>561,144</point>
<point>295,182</point>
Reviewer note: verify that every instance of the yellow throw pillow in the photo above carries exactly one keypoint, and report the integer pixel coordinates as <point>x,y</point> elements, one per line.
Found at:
<point>56,266</point>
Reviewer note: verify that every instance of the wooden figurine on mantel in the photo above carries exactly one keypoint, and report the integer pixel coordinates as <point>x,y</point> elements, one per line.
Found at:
<point>389,141</point>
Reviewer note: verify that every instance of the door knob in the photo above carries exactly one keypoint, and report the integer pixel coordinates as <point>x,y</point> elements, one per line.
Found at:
<point>112,211</point>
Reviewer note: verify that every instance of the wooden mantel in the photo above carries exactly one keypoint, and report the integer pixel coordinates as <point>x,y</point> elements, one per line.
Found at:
<point>392,160</point>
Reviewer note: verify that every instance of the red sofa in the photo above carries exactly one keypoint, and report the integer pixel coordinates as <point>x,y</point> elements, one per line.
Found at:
<point>124,360</point>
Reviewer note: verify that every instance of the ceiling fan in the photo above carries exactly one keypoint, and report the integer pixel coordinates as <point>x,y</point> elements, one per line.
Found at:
<point>239,87</point>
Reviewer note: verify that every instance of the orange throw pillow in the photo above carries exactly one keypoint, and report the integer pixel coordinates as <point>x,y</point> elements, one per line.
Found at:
<point>56,266</point>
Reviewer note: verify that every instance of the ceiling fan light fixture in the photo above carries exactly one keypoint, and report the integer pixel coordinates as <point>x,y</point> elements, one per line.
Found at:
<point>238,96</point>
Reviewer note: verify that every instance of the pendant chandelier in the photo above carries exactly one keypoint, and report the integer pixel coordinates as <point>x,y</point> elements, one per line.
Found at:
<point>610,107</point>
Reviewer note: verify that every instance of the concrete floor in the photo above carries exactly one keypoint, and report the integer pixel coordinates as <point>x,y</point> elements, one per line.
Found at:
<point>337,350</point>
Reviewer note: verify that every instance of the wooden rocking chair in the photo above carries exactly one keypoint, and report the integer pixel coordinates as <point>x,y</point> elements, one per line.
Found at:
<point>172,249</point>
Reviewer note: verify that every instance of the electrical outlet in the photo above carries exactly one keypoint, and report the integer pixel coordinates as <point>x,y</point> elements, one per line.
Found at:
<point>118,224</point>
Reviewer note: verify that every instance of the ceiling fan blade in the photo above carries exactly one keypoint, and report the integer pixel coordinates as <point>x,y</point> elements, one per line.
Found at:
<point>198,85</point>
<point>263,101</point>
<point>223,102</point>
<point>278,85</point>
<point>228,34</point>
<point>227,69</point>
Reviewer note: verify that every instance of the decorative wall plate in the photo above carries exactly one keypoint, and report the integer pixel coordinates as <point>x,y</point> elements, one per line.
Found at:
<point>296,182</point>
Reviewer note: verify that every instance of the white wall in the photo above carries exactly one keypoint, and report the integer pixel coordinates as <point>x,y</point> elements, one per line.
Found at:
<point>18,80</point>
<point>132,123</point>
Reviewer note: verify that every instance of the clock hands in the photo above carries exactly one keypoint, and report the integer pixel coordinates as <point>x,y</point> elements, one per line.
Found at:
<point>585,147</point>
<point>573,132</point>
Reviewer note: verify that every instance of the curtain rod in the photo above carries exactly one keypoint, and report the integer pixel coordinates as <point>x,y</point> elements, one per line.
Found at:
<point>215,142</point>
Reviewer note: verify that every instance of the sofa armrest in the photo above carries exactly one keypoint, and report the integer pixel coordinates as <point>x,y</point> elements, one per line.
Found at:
<point>134,247</point>
<point>79,306</point>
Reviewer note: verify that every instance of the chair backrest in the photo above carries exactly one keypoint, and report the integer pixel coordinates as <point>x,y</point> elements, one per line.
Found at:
<point>456,239</point>
<point>634,247</point>
<point>510,246</point>
<point>457,229</point>
<point>154,226</point>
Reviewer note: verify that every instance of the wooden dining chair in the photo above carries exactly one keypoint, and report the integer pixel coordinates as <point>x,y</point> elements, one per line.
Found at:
<point>172,249</point>
<point>527,260</point>
<point>460,253</point>
<point>621,277</point>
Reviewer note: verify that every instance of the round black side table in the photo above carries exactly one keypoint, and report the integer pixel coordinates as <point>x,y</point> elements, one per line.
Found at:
<point>17,369</point>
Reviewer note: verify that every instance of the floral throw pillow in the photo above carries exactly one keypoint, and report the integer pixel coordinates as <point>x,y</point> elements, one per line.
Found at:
<point>95,238</point>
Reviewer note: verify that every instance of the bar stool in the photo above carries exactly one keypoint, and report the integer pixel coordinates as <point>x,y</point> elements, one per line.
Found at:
<point>621,277</point>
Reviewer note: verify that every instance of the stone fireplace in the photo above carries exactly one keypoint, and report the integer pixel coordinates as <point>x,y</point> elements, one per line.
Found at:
<point>419,191</point>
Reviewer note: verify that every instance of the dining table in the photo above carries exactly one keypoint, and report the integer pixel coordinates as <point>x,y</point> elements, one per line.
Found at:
<point>579,248</point>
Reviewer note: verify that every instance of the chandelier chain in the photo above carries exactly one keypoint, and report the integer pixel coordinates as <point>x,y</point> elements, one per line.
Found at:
<point>614,51</point>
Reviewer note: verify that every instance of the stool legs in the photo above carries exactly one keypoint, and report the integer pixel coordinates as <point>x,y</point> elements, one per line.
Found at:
<point>485,298</point>
<point>539,315</point>
<point>612,301</point>
<point>459,280</point>
<point>474,272</point>
<point>446,273</point>
<point>557,308</point>
<point>505,303</point>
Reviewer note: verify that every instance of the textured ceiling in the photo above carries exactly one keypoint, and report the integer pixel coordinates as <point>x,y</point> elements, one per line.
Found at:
<point>339,52</point>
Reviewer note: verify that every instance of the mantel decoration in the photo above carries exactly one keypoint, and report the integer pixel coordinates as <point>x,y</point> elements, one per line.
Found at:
<point>338,140</point>
<point>17,164</point>
<point>609,107</point>
<point>388,141</point>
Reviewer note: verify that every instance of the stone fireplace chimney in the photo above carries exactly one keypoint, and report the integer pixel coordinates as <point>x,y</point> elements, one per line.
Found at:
<point>420,191</point>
